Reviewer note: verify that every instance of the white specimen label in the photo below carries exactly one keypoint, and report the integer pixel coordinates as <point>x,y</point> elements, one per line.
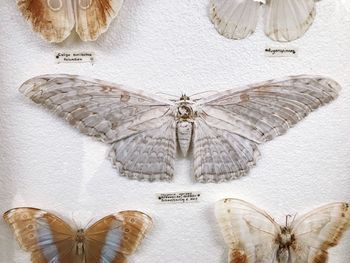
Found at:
<point>281,52</point>
<point>75,57</point>
<point>179,197</point>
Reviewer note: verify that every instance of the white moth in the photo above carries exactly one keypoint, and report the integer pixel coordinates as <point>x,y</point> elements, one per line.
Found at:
<point>222,130</point>
<point>253,236</point>
<point>285,20</point>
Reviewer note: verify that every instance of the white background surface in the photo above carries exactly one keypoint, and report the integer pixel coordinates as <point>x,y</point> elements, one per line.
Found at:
<point>172,47</point>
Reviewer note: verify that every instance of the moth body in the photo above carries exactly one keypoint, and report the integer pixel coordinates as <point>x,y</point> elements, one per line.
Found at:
<point>285,241</point>
<point>79,242</point>
<point>184,124</point>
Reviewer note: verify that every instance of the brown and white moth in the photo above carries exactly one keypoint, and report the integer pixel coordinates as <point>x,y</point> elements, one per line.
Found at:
<point>253,236</point>
<point>145,131</point>
<point>50,239</point>
<point>55,19</point>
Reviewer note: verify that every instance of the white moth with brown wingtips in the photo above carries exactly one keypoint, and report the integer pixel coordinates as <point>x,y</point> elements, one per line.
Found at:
<point>253,236</point>
<point>145,131</point>
<point>55,19</point>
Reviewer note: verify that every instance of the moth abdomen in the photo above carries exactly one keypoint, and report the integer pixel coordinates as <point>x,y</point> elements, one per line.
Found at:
<point>184,135</point>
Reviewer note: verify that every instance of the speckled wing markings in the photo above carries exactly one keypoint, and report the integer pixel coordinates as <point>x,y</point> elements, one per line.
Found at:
<point>94,16</point>
<point>287,20</point>
<point>55,19</point>
<point>248,231</point>
<point>320,230</point>
<point>137,125</point>
<point>149,155</point>
<point>253,236</point>
<point>219,154</point>
<point>47,237</point>
<point>50,239</point>
<point>235,19</point>
<point>232,123</point>
<point>54,22</point>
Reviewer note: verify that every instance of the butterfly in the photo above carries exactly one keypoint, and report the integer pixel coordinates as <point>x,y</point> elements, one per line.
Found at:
<point>253,236</point>
<point>285,20</point>
<point>55,19</point>
<point>50,239</point>
<point>145,131</point>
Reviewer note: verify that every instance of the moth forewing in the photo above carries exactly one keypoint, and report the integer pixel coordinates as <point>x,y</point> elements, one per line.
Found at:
<point>322,229</point>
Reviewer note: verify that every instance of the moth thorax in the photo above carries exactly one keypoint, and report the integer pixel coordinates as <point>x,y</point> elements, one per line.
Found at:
<point>79,241</point>
<point>285,240</point>
<point>184,112</point>
<point>184,135</point>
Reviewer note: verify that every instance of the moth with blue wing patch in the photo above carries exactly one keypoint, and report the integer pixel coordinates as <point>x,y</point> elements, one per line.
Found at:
<point>50,239</point>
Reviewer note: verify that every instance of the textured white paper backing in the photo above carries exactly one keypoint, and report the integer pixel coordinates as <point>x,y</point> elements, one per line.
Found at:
<point>172,47</point>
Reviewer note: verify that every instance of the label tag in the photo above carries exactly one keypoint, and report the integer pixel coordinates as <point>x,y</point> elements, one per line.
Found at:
<point>179,197</point>
<point>75,57</point>
<point>281,52</point>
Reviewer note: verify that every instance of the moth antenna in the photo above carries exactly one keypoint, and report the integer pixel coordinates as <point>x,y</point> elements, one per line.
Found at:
<point>287,216</point>
<point>295,215</point>
<point>88,223</point>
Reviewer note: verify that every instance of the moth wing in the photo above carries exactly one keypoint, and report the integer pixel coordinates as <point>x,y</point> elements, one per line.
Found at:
<point>235,19</point>
<point>248,231</point>
<point>114,237</point>
<point>93,17</point>
<point>53,19</point>
<point>287,20</point>
<point>235,121</point>
<point>220,155</point>
<point>46,236</point>
<point>148,155</point>
<point>135,123</point>
<point>318,231</point>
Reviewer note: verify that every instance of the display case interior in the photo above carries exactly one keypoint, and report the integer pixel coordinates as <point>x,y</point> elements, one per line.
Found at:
<point>171,47</point>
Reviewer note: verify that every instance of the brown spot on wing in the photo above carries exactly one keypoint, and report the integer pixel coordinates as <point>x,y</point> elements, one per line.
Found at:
<point>237,256</point>
<point>320,257</point>
<point>125,97</point>
<point>244,97</point>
